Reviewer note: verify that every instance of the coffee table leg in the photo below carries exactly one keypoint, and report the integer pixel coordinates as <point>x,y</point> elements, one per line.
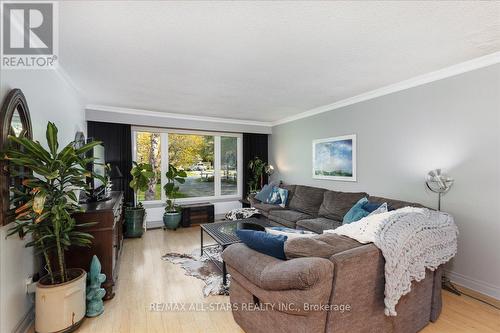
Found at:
<point>224,270</point>
<point>201,239</point>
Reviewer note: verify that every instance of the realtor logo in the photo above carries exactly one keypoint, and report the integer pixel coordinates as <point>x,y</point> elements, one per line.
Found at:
<point>29,36</point>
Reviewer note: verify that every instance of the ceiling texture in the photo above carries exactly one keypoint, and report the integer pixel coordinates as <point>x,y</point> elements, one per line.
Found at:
<point>261,61</point>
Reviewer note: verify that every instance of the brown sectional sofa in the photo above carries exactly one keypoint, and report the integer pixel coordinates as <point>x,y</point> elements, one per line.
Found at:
<point>316,209</point>
<point>310,292</point>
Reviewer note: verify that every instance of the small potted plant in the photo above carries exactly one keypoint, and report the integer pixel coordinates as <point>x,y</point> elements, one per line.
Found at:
<point>45,204</point>
<point>141,173</point>
<point>172,215</point>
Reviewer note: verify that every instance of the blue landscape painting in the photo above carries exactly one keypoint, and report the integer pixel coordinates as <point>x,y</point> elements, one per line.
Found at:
<point>333,158</point>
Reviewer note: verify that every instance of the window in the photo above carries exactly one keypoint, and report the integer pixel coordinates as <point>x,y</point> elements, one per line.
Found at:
<point>195,155</point>
<point>229,165</point>
<point>211,160</point>
<point>148,150</point>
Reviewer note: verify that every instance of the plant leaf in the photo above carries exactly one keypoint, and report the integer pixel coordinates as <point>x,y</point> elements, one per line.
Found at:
<point>51,134</point>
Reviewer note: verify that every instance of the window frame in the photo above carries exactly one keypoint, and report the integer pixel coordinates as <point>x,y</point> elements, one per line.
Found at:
<point>164,132</point>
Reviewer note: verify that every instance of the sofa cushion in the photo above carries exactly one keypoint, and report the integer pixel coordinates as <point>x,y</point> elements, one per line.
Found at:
<point>265,207</point>
<point>307,199</point>
<point>323,246</point>
<point>287,217</point>
<point>319,224</point>
<point>394,204</point>
<point>336,204</point>
<point>273,274</point>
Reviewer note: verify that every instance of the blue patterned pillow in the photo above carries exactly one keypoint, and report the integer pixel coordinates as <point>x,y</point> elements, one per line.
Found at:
<point>371,206</point>
<point>381,209</point>
<point>283,192</point>
<point>274,197</point>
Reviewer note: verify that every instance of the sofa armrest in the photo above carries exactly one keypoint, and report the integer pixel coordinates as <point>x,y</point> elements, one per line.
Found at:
<point>252,200</point>
<point>274,274</point>
<point>359,271</point>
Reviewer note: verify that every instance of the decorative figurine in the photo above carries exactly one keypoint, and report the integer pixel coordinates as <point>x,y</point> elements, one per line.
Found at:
<point>95,293</point>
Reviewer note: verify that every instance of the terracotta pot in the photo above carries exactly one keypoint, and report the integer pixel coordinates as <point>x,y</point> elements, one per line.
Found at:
<point>60,307</point>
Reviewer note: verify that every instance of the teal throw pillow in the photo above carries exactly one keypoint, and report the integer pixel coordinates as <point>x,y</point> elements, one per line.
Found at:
<point>263,194</point>
<point>356,212</point>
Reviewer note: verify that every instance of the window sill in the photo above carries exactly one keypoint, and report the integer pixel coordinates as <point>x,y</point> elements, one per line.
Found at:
<point>161,204</point>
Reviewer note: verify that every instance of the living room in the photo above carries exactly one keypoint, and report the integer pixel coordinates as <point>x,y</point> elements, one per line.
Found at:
<point>249,166</point>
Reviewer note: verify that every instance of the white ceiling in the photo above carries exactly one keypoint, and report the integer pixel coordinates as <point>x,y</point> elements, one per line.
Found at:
<point>262,61</point>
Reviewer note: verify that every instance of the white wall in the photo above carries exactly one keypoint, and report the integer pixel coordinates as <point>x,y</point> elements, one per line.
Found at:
<point>49,98</point>
<point>454,124</point>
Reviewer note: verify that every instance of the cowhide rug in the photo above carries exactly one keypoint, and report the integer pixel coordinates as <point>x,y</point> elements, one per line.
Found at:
<point>201,267</point>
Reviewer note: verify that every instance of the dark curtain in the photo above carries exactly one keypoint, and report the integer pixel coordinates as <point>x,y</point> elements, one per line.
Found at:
<point>117,142</point>
<point>254,145</point>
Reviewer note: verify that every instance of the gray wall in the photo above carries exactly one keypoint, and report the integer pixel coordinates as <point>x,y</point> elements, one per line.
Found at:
<point>453,124</point>
<point>49,98</point>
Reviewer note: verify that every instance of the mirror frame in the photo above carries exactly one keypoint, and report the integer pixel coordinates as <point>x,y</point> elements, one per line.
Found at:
<point>14,101</point>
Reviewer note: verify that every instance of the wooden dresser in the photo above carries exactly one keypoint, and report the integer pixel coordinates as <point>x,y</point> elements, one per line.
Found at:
<point>108,238</point>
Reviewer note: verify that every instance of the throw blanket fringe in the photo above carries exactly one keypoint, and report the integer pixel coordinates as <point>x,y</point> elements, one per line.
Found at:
<point>411,240</point>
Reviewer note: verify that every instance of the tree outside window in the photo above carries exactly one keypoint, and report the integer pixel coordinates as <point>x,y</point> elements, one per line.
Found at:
<point>149,151</point>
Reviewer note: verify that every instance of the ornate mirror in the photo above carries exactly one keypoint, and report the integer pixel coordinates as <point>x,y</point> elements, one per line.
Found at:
<point>14,120</point>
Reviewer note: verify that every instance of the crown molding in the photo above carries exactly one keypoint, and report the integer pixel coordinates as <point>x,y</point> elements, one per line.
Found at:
<point>141,112</point>
<point>446,72</point>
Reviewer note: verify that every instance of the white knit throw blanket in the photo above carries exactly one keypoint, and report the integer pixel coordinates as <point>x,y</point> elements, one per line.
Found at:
<point>411,240</point>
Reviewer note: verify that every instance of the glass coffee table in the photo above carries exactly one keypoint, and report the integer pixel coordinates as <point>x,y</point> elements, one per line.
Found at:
<point>224,234</point>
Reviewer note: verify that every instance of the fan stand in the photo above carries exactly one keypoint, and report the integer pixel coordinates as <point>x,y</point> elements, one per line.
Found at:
<point>446,284</point>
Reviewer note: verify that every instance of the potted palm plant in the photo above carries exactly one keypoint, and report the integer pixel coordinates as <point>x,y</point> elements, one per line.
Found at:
<point>172,215</point>
<point>141,173</point>
<point>45,204</point>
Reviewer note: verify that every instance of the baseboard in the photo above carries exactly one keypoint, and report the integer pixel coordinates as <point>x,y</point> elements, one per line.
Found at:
<point>219,217</point>
<point>154,224</point>
<point>25,324</point>
<point>159,224</point>
<point>481,287</point>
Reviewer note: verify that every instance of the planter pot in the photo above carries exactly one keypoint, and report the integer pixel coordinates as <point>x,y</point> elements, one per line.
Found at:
<point>134,221</point>
<point>60,307</point>
<point>172,220</point>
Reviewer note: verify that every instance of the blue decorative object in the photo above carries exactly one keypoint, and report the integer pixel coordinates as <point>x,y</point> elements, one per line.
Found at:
<point>95,293</point>
<point>356,212</point>
<point>274,197</point>
<point>371,206</point>
<point>290,230</point>
<point>272,245</point>
<point>381,209</point>
<point>283,196</point>
<point>263,194</point>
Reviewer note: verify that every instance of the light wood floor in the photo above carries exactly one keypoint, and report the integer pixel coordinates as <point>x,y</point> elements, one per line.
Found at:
<point>144,279</point>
